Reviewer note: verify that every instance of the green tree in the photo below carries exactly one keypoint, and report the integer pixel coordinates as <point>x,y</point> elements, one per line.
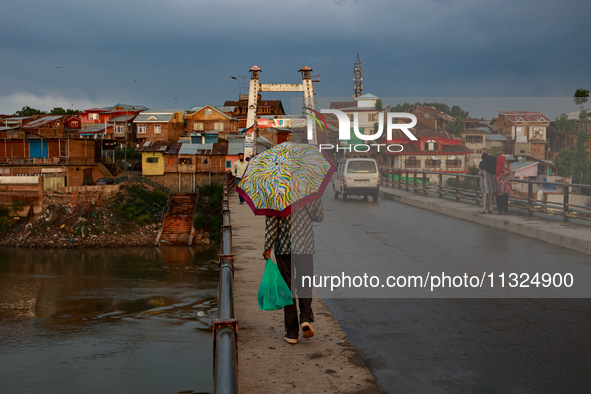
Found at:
<point>61,111</point>
<point>28,111</point>
<point>440,106</point>
<point>456,126</point>
<point>379,105</point>
<point>454,111</point>
<point>566,162</point>
<point>575,162</point>
<point>582,163</point>
<point>563,125</point>
<point>457,112</point>
<point>581,96</point>
<point>401,107</point>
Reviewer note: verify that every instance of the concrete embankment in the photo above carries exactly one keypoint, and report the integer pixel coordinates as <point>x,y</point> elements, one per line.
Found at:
<point>568,235</point>
<point>266,363</point>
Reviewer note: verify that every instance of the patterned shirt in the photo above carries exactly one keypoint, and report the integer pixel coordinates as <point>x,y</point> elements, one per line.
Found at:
<point>504,184</point>
<point>293,233</point>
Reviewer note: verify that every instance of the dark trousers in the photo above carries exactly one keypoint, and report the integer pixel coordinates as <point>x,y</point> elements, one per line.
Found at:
<point>239,195</point>
<point>503,203</point>
<point>294,267</point>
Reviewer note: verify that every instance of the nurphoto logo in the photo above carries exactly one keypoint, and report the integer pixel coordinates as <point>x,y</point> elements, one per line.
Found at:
<point>345,130</point>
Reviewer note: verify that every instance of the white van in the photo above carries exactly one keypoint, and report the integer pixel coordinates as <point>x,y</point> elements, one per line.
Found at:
<point>359,177</point>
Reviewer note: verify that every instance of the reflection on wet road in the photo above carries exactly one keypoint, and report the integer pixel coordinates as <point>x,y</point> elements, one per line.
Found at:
<point>454,345</point>
<point>118,320</point>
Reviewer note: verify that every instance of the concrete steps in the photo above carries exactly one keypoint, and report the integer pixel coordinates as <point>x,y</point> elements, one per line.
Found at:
<point>178,222</point>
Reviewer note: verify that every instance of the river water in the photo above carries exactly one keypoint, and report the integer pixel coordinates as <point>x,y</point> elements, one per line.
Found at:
<point>107,320</point>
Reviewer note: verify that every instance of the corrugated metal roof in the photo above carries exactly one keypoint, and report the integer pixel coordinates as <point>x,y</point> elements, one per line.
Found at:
<point>121,118</point>
<point>456,149</point>
<point>153,117</point>
<point>42,121</point>
<point>97,128</point>
<point>221,109</point>
<point>236,145</point>
<point>129,107</point>
<point>520,165</point>
<point>366,96</point>
<point>193,149</point>
<point>17,118</point>
<point>495,137</point>
<point>525,116</point>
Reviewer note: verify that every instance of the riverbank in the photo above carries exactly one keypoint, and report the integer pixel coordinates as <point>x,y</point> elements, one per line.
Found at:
<point>78,226</point>
<point>131,218</point>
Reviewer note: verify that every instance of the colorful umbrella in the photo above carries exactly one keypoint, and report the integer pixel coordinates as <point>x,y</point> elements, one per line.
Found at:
<point>285,177</point>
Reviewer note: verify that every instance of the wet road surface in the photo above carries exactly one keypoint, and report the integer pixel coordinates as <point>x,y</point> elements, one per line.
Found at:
<point>453,345</point>
<point>107,320</point>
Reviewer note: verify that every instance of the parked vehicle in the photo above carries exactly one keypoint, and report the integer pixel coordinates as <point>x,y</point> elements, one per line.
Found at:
<point>356,176</point>
<point>105,181</point>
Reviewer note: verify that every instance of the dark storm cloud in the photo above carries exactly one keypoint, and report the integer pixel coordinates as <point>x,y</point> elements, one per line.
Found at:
<point>182,53</point>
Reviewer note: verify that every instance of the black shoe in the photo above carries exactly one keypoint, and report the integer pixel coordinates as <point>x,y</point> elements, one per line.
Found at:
<point>291,337</point>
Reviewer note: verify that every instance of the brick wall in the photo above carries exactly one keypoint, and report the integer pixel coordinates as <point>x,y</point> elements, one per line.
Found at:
<point>172,181</point>
<point>95,195</point>
<point>26,189</point>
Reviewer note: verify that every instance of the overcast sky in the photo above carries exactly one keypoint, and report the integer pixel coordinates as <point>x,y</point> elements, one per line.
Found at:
<point>180,53</point>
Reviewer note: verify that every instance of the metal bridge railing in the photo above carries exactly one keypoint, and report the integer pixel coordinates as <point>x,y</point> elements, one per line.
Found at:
<point>466,188</point>
<point>225,352</point>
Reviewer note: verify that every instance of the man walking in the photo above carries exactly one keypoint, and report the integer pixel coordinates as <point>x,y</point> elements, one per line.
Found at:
<point>238,169</point>
<point>292,238</point>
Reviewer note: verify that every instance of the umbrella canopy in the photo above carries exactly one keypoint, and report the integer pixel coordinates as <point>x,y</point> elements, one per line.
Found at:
<point>285,177</point>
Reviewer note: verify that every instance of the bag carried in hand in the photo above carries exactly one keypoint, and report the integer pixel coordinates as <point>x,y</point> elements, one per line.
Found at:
<point>274,293</point>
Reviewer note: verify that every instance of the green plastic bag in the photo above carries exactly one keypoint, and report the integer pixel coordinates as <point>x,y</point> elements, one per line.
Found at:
<point>274,293</point>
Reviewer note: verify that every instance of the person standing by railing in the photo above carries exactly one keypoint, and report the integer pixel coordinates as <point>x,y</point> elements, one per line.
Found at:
<point>488,172</point>
<point>503,191</point>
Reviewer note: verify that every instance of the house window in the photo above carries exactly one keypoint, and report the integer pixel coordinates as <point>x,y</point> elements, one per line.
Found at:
<point>228,164</point>
<point>373,117</point>
<point>141,129</point>
<point>75,124</point>
<point>198,126</point>
<point>219,126</point>
<point>453,162</point>
<point>93,116</point>
<point>157,129</point>
<point>432,162</point>
<point>119,129</point>
<point>185,160</point>
<point>152,160</point>
<point>208,111</point>
<point>350,117</point>
<point>537,132</point>
<point>474,139</point>
<point>413,162</point>
<point>431,145</point>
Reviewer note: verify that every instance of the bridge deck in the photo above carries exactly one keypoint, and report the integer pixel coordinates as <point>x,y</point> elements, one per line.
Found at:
<point>568,235</point>
<point>326,363</point>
